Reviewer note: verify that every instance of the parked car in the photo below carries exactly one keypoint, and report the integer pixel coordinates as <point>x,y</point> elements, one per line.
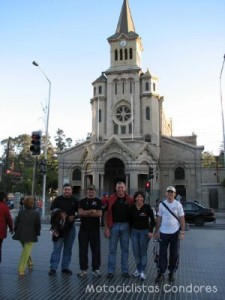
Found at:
<point>197,214</point>
<point>10,204</point>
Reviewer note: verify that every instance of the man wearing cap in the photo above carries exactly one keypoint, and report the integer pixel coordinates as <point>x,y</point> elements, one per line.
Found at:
<point>90,211</point>
<point>169,233</point>
<point>117,228</point>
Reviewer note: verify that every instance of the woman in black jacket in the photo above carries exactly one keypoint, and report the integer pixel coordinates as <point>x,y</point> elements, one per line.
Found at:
<point>27,228</point>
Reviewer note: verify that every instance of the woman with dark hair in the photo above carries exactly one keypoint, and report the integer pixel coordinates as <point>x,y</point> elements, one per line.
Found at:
<point>142,223</point>
<point>27,228</point>
<point>5,220</point>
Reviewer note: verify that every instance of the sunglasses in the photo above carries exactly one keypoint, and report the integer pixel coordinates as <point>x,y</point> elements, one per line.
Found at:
<point>170,191</point>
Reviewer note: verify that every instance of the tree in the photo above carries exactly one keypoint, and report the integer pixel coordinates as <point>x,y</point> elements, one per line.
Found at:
<point>62,143</point>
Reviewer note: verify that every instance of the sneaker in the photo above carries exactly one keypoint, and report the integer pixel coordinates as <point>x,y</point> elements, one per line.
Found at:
<point>142,276</point>
<point>110,276</point>
<point>126,275</point>
<point>51,272</point>
<point>82,274</point>
<point>159,277</point>
<point>96,273</point>
<point>171,277</point>
<point>67,272</point>
<point>136,273</point>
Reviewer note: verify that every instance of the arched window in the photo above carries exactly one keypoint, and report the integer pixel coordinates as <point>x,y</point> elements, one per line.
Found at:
<point>76,174</point>
<point>121,54</point>
<point>115,129</point>
<point>94,91</point>
<point>131,85</point>
<point>116,54</point>
<point>179,173</point>
<point>123,87</point>
<point>147,86</point>
<point>153,87</point>
<point>100,90</point>
<point>147,113</point>
<point>130,53</point>
<point>115,88</point>
<point>99,115</point>
<point>126,54</point>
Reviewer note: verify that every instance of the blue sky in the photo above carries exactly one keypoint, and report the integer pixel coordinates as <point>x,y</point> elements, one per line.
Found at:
<point>184,45</point>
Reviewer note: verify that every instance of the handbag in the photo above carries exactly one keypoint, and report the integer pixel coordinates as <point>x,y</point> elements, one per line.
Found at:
<point>172,213</point>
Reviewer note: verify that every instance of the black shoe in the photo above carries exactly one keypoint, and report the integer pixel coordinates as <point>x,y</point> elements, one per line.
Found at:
<point>171,277</point>
<point>110,276</point>
<point>126,275</point>
<point>159,278</point>
<point>51,272</point>
<point>67,272</point>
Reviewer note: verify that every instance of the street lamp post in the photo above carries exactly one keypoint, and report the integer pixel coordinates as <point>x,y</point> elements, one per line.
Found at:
<point>221,102</point>
<point>46,140</point>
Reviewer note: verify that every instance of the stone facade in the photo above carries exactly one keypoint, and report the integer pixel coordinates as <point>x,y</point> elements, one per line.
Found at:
<point>130,131</point>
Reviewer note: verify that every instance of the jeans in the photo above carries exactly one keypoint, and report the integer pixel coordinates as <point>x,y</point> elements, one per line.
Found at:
<point>119,231</point>
<point>172,241</point>
<point>140,240</point>
<point>67,243</point>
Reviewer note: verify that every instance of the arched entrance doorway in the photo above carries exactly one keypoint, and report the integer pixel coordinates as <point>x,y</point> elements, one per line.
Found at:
<point>114,172</point>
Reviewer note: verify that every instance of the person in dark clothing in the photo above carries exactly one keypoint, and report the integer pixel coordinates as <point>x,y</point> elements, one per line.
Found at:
<point>142,222</point>
<point>27,229</point>
<point>69,207</point>
<point>90,212</point>
<point>117,228</point>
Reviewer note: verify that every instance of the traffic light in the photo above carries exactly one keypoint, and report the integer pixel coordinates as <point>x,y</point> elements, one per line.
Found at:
<point>35,147</point>
<point>150,173</point>
<point>42,166</point>
<point>148,186</point>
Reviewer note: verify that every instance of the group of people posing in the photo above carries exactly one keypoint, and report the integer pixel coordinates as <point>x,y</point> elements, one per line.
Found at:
<point>125,218</point>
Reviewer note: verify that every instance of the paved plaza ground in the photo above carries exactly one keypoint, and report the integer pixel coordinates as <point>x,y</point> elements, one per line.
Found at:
<point>201,273</point>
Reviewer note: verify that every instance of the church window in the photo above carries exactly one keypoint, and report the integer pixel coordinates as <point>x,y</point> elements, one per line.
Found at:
<point>179,173</point>
<point>126,54</point>
<point>123,129</point>
<point>147,113</point>
<point>123,87</point>
<point>148,138</point>
<point>115,129</point>
<point>121,54</point>
<point>131,90</point>
<point>94,91</point>
<point>115,88</point>
<point>153,87</point>
<point>147,86</point>
<point>130,127</point>
<point>100,90</point>
<point>123,113</point>
<point>131,53</point>
<point>116,54</point>
<point>76,174</point>
<point>99,115</point>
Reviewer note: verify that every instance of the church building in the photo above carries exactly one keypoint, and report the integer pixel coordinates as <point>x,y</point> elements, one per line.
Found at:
<point>131,140</point>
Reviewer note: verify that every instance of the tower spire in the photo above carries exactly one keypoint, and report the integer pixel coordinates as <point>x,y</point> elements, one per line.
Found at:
<point>125,24</point>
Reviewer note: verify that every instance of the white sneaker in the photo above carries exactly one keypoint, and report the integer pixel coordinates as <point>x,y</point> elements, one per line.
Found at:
<point>142,276</point>
<point>136,273</point>
<point>96,273</point>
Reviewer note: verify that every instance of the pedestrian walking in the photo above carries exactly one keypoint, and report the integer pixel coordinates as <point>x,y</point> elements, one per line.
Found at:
<point>117,228</point>
<point>90,212</point>
<point>170,226</point>
<point>5,220</point>
<point>27,229</point>
<point>142,222</point>
<point>68,207</point>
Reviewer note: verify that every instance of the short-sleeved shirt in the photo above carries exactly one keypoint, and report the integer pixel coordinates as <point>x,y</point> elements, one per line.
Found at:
<point>142,218</point>
<point>169,223</point>
<point>67,205</point>
<point>90,223</point>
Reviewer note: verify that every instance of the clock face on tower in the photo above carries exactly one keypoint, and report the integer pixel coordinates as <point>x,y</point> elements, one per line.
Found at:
<point>123,43</point>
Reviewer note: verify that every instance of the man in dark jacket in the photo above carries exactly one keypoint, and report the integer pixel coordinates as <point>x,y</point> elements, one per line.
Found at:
<point>117,228</point>
<point>69,207</point>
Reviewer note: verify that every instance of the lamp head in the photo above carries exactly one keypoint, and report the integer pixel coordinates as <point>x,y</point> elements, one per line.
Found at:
<point>35,64</point>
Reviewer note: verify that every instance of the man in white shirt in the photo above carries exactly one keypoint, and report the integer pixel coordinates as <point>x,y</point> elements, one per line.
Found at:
<point>169,234</point>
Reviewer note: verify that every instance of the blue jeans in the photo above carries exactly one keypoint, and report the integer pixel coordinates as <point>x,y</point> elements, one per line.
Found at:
<point>67,243</point>
<point>140,240</point>
<point>119,231</point>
